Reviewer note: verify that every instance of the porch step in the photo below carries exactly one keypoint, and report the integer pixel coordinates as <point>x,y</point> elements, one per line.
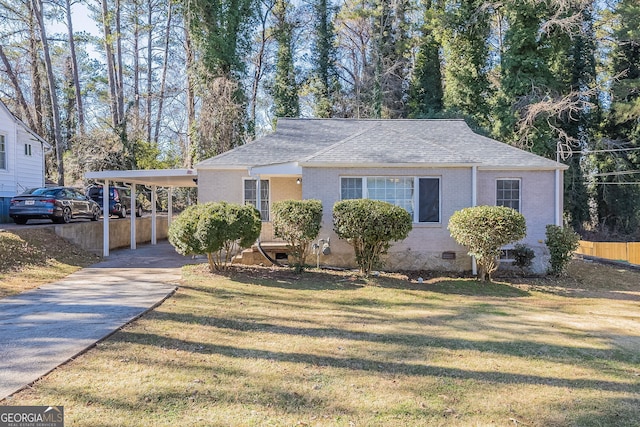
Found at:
<point>252,256</point>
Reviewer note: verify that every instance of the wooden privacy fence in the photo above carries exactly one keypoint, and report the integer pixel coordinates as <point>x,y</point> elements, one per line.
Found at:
<point>624,251</point>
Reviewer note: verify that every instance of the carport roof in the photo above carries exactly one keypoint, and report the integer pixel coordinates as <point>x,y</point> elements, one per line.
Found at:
<point>158,177</point>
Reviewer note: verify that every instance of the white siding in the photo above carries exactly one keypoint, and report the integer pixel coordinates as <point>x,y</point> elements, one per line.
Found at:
<point>22,171</point>
<point>29,171</point>
<point>7,175</point>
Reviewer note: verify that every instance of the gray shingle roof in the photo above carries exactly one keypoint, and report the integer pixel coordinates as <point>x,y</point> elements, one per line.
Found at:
<point>346,142</point>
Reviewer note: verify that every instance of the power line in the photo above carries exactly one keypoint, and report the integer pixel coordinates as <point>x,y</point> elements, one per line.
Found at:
<point>615,173</point>
<point>609,150</point>
<point>610,183</point>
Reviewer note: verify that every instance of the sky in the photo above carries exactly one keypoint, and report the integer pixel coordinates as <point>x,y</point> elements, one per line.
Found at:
<point>82,21</point>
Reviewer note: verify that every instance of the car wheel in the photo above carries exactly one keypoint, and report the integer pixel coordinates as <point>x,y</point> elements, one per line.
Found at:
<point>96,214</point>
<point>139,211</point>
<point>66,215</point>
<point>123,211</point>
<point>20,221</point>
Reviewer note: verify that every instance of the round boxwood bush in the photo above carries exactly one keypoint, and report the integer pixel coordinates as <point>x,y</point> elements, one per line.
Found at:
<point>484,230</point>
<point>298,223</point>
<point>370,226</point>
<point>216,229</point>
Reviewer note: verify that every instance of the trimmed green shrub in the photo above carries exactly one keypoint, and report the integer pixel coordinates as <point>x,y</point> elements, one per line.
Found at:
<point>562,242</point>
<point>298,223</point>
<point>216,229</point>
<point>370,226</point>
<point>484,230</point>
<point>523,256</point>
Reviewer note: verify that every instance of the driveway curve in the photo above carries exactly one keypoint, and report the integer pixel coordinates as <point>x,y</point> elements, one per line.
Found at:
<point>45,327</point>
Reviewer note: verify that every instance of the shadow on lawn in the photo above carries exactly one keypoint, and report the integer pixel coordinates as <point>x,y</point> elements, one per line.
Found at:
<point>369,365</point>
<point>347,280</point>
<point>417,340</point>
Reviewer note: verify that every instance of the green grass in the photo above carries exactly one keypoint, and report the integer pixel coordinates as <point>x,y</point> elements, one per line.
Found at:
<point>263,347</point>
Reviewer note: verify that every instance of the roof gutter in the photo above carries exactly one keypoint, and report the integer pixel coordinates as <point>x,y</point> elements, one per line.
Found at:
<point>387,165</point>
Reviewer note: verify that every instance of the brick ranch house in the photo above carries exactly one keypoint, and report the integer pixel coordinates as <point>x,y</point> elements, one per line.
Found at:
<point>432,168</point>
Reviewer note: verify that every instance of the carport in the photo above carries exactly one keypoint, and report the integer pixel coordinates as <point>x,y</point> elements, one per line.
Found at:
<point>154,178</point>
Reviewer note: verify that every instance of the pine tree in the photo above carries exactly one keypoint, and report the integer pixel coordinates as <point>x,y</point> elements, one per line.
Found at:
<point>285,88</point>
<point>219,30</point>
<point>324,80</point>
<point>576,70</point>
<point>466,26</point>
<point>618,194</point>
<point>525,77</point>
<point>425,91</point>
<point>390,58</point>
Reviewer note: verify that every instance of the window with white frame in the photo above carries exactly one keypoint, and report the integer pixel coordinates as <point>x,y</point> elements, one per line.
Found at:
<point>508,193</point>
<point>423,204</point>
<point>251,196</point>
<point>27,149</point>
<point>3,153</point>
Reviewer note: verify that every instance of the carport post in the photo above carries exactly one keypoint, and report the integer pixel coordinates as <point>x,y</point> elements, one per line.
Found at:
<point>169,205</point>
<point>153,214</point>
<point>133,216</point>
<point>474,202</point>
<point>105,218</point>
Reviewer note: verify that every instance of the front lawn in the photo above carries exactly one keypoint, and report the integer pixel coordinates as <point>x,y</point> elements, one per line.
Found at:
<point>266,347</point>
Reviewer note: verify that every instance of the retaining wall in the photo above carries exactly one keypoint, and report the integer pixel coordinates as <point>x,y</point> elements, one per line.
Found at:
<point>88,235</point>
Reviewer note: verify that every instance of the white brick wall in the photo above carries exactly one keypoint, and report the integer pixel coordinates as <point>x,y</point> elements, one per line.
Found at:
<point>423,249</point>
<point>426,242</point>
<point>216,186</point>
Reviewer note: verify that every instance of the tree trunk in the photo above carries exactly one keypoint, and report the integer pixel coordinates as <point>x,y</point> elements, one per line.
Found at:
<point>149,68</point>
<point>191,103</point>
<point>119,74</point>
<point>136,71</point>
<point>55,111</point>
<point>165,65</point>
<point>74,68</point>
<point>35,74</point>
<point>111,72</point>
<point>259,60</point>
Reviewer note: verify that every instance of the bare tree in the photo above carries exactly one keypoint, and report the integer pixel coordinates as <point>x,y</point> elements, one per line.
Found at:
<point>74,67</point>
<point>220,120</point>
<point>163,80</point>
<point>262,40</point>
<point>111,68</point>
<point>191,103</point>
<point>17,89</point>
<point>150,31</point>
<point>59,144</point>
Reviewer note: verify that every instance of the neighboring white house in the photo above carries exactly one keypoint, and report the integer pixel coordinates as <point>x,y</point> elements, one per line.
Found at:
<point>430,167</point>
<point>21,159</point>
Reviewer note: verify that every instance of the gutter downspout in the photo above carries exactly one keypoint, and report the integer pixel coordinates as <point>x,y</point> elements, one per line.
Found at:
<point>558,192</point>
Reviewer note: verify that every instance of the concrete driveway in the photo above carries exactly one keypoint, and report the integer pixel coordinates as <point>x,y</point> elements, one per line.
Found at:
<point>45,327</point>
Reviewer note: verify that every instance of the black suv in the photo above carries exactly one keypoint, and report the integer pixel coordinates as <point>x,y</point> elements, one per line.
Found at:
<point>119,200</point>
